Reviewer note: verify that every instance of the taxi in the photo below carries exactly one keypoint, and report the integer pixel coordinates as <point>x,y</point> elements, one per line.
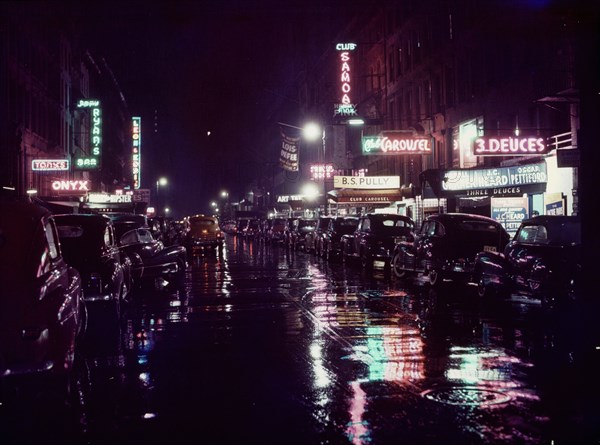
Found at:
<point>202,231</point>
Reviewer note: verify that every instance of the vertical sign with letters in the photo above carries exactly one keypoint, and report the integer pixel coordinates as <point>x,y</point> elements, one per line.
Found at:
<point>136,146</point>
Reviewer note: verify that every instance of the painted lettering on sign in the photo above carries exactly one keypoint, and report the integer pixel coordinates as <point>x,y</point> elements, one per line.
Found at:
<point>495,178</point>
<point>509,146</point>
<point>366,182</point>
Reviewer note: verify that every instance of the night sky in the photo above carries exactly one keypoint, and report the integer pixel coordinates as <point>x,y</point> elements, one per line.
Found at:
<point>188,68</point>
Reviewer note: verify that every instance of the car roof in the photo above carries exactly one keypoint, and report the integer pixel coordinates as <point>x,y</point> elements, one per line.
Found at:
<point>457,217</point>
<point>87,219</point>
<point>551,219</point>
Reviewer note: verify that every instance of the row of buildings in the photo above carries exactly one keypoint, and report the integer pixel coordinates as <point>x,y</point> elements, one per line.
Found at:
<point>461,105</point>
<point>67,136</point>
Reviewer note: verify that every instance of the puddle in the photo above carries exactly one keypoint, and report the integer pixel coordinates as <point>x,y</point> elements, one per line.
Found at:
<point>466,396</point>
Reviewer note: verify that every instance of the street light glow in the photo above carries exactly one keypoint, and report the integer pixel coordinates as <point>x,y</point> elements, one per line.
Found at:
<point>312,131</point>
<point>162,181</point>
<point>310,191</point>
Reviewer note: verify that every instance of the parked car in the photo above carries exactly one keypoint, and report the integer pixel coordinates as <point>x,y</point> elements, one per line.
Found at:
<point>276,233</point>
<point>299,231</point>
<point>446,247</point>
<point>42,312</point>
<point>88,244</point>
<point>124,222</point>
<point>158,261</point>
<point>312,241</point>
<point>229,226</point>
<point>203,231</point>
<point>251,230</point>
<point>543,260</point>
<point>290,227</point>
<point>331,247</point>
<point>374,239</point>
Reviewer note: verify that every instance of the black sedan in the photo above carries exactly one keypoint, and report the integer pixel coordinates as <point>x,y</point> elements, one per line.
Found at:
<point>373,241</point>
<point>42,310</point>
<point>89,245</point>
<point>543,261</point>
<point>446,247</point>
<point>331,247</point>
<point>157,261</point>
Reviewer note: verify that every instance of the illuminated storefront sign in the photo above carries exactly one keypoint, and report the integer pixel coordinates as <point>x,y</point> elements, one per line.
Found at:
<point>79,187</point>
<point>345,107</point>
<point>103,198</point>
<point>288,198</point>
<point>93,161</point>
<point>47,165</point>
<point>506,181</point>
<point>322,171</point>
<point>136,142</point>
<point>391,143</point>
<point>87,163</point>
<point>509,146</point>
<point>366,182</point>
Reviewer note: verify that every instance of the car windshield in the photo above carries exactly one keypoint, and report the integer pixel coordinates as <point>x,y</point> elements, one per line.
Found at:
<point>307,223</point>
<point>202,222</point>
<point>567,233</point>
<point>480,232</point>
<point>137,236</point>
<point>345,225</point>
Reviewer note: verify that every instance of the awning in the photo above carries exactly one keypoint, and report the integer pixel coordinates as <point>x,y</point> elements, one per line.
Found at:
<point>358,196</point>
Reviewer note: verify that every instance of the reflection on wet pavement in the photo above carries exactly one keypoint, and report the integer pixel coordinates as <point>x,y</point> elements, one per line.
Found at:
<point>265,345</point>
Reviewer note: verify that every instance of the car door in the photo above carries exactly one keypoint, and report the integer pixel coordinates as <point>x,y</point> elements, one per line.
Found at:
<point>424,244</point>
<point>523,252</point>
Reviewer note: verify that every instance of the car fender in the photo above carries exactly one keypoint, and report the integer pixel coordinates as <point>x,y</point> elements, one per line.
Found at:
<point>492,268</point>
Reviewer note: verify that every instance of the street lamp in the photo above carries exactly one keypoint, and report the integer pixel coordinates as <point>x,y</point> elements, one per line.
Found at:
<point>160,182</point>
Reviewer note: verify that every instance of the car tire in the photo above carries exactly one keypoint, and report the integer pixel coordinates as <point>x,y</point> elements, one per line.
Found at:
<point>395,266</point>
<point>484,291</point>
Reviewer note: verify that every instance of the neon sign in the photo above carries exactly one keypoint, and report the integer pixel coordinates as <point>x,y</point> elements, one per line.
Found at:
<point>136,144</point>
<point>345,107</point>
<point>71,186</point>
<point>47,165</point>
<point>322,171</point>
<point>93,161</point>
<point>86,163</point>
<point>395,144</point>
<point>106,198</point>
<point>509,146</point>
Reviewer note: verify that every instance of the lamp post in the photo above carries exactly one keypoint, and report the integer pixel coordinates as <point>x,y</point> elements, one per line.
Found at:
<point>160,182</point>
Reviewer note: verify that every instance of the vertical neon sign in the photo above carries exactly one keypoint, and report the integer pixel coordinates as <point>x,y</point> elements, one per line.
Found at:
<point>136,146</point>
<point>345,107</point>
<point>93,160</point>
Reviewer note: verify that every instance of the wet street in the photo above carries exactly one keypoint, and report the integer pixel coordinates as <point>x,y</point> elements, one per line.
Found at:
<point>260,345</point>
